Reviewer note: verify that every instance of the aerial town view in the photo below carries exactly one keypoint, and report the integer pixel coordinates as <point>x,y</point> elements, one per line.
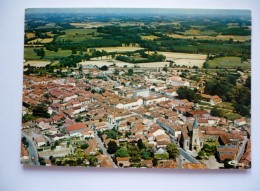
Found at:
<point>137,88</point>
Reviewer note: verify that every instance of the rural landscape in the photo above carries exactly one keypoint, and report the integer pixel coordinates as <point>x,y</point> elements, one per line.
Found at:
<point>137,88</point>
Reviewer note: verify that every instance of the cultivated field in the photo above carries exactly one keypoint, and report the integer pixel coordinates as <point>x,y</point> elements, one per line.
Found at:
<point>103,62</point>
<point>154,64</point>
<point>39,40</point>
<point>89,25</point>
<point>178,58</point>
<point>176,55</point>
<point>92,25</point>
<point>185,59</point>
<point>227,62</point>
<point>207,37</point>
<point>149,37</point>
<point>100,63</point>
<point>197,32</point>
<point>119,49</point>
<point>78,35</point>
<point>46,40</point>
<point>37,63</point>
<point>189,62</point>
<point>29,54</point>
<point>30,35</point>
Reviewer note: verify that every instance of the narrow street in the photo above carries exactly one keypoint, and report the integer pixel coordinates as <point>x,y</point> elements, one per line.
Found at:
<point>101,145</point>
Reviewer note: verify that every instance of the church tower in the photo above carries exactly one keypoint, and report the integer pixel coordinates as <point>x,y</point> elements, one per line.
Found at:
<point>195,141</point>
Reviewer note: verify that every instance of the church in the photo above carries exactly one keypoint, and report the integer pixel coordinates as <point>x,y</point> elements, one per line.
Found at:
<point>192,138</point>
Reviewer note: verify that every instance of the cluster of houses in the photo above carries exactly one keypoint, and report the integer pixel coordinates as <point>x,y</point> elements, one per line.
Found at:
<point>146,109</point>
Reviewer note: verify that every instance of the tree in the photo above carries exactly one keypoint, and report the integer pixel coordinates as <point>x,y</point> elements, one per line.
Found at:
<point>130,72</point>
<point>189,94</point>
<point>171,64</point>
<point>116,72</point>
<point>112,147</point>
<point>104,68</point>
<point>92,160</point>
<point>140,144</point>
<point>248,82</point>
<point>122,152</point>
<point>172,150</point>
<point>205,65</point>
<point>27,117</point>
<point>40,52</point>
<point>134,152</point>
<point>226,165</point>
<point>41,111</point>
<point>145,154</point>
<point>25,142</point>
<point>215,112</point>
<point>155,162</point>
<point>84,146</point>
<point>80,67</point>
<point>128,133</point>
<point>42,161</point>
<point>242,109</point>
<point>165,69</point>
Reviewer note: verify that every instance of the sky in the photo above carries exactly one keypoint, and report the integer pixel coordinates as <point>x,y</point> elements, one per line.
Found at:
<point>141,10</point>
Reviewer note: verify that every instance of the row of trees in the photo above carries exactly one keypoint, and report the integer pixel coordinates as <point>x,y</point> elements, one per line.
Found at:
<point>139,151</point>
<point>155,57</point>
<point>238,95</point>
<point>189,94</point>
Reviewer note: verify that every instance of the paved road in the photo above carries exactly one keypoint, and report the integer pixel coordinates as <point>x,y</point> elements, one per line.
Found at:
<point>101,145</point>
<point>212,163</point>
<point>188,156</point>
<point>180,161</point>
<point>241,150</point>
<point>32,150</point>
<point>185,155</point>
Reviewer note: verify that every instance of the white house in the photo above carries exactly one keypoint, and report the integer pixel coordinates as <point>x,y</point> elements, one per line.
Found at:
<point>131,104</point>
<point>142,92</point>
<point>153,100</point>
<point>57,137</point>
<point>158,87</point>
<point>88,133</point>
<point>158,132</point>
<point>40,141</point>
<point>177,81</point>
<point>123,127</point>
<point>43,125</point>
<point>240,122</point>
<point>112,119</point>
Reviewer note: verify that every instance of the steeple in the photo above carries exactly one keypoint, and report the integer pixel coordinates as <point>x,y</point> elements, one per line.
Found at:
<point>195,124</point>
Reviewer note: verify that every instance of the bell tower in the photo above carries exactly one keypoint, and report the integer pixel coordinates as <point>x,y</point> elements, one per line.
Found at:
<point>195,141</point>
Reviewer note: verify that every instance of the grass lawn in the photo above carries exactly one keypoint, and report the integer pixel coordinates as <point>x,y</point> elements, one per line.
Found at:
<point>197,32</point>
<point>225,105</point>
<point>206,35</point>
<point>161,156</point>
<point>78,35</point>
<point>149,37</point>
<point>29,54</point>
<point>227,62</point>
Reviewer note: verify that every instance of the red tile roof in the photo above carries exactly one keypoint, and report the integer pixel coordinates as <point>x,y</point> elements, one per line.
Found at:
<point>76,126</point>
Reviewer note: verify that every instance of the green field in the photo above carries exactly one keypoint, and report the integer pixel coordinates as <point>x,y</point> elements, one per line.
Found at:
<point>197,32</point>
<point>227,62</point>
<point>29,54</point>
<point>78,35</point>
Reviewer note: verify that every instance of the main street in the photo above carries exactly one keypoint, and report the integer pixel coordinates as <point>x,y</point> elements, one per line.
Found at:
<point>32,150</point>
<point>241,150</point>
